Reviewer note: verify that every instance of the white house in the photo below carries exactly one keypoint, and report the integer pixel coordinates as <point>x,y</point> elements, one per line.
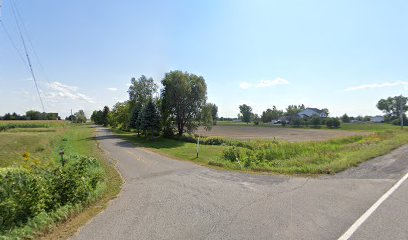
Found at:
<point>310,112</point>
<point>377,119</point>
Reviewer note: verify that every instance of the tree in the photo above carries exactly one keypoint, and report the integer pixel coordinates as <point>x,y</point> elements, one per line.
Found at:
<point>104,116</point>
<point>246,112</point>
<point>294,109</point>
<point>214,113</point>
<point>392,106</point>
<point>142,89</point>
<point>332,122</point>
<point>151,118</point>
<point>183,96</point>
<point>134,118</point>
<point>271,114</point>
<point>315,121</point>
<point>80,117</point>
<point>119,116</point>
<point>33,115</point>
<point>207,116</point>
<point>256,119</point>
<point>345,118</point>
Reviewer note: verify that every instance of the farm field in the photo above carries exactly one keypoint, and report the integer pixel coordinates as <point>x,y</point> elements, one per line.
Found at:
<point>280,133</point>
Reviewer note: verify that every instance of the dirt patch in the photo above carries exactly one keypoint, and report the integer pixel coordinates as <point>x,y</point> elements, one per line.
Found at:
<point>286,134</point>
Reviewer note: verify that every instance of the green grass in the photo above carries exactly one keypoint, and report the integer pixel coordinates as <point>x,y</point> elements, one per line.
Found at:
<point>43,140</point>
<point>174,148</point>
<point>326,157</point>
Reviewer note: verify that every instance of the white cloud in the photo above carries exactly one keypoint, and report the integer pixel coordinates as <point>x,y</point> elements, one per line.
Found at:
<point>245,85</point>
<point>128,84</point>
<point>264,83</point>
<point>378,85</point>
<point>270,83</point>
<point>112,89</point>
<point>62,91</point>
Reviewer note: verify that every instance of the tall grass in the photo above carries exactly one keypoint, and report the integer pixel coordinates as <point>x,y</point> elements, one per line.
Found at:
<point>311,157</point>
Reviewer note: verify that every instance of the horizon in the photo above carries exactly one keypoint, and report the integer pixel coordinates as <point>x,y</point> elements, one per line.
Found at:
<point>343,56</point>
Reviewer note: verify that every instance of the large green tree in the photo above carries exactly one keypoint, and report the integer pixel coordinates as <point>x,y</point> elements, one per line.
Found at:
<point>246,112</point>
<point>183,96</point>
<point>207,116</point>
<point>104,116</point>
<point>142,89</point>
<point>80,117</point>
<point>392,106</point>
<point>271,114</point>
<point>294,109</point>
<point>150,119</point>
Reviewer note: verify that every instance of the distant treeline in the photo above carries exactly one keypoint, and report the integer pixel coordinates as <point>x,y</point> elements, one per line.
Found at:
<point>31,115</point>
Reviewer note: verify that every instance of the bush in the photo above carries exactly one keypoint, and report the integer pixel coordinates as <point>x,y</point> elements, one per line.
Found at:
<point>232,154</point>
<point>333,123</point>
<point>25,193</point>
<point>22,196</point>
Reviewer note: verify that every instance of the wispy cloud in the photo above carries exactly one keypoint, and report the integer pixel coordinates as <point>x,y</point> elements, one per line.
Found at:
<point>264,83</point>
<point>378,85</point>
<point>62,91</point>
<point>112,89</point>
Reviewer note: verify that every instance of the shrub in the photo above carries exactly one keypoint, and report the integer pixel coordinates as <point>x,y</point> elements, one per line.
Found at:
<point>22,196</point>
<point>27,192</point>
<point>232,154</point>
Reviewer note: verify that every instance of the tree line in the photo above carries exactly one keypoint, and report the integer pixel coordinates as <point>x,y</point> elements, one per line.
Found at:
<point>181,106</point>
<point>31,115</point>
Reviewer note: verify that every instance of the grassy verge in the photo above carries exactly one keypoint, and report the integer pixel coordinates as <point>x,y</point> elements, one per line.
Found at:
<point>326,157</point>
<point>43,143</point>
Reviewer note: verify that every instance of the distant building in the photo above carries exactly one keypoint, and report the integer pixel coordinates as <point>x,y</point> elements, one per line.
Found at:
<point>310,112</point>
<point>377,119</point>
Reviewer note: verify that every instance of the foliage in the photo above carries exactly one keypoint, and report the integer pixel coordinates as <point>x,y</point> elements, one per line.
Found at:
<point>392,106</point>
<point>345,118</point>
<point>104,117</point>
<point>256,119</point>
<point>207,116</point>
<point>214,113</point>
<point>294,109</point>
<point>246,112</point>
<point>141,90</point>
<point>150,118</point>
<point>80,117</point>
<point>183,96</point>
<point>271,114</point>
<point>134,118</point>
<point>333,123</point>
<point>119,115</point>
<point>29,191</point>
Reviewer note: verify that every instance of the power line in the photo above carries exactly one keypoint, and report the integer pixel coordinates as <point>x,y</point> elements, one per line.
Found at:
<point>26,53</point>
<point>30,42</point>
<point>10,38</point>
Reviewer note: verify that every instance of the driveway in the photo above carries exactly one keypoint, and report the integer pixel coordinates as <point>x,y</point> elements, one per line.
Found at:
<point>164,198</point>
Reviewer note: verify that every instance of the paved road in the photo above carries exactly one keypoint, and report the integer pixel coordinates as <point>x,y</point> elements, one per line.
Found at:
<point>169,199</point>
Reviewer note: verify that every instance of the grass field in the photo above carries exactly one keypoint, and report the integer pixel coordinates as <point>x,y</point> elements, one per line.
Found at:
<point>324,157</point>
<point>43,140</point>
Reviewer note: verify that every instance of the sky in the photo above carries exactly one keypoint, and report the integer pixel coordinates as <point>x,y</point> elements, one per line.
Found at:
<point>342,55</point>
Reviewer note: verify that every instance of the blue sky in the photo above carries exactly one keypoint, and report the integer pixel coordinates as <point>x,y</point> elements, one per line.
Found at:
<point>340,55</point>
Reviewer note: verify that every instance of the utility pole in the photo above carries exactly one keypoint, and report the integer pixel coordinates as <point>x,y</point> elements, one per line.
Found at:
<point>72,119</point>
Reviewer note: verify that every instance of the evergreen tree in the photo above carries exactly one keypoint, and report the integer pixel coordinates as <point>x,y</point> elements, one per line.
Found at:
<point>136,111</point>
<point>151,118</point>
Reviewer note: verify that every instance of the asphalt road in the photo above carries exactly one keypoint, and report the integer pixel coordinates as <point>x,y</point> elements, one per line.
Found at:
<point>170,199</point>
